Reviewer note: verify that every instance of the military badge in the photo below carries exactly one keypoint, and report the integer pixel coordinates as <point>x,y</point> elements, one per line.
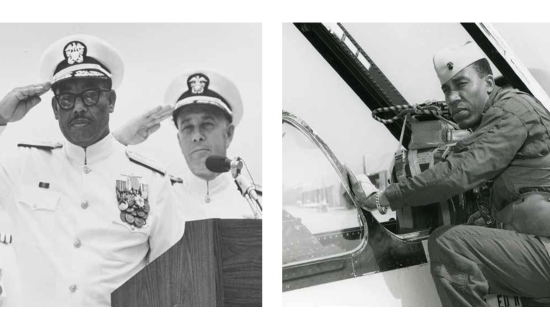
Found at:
<point>198,83</point>
<point>133,203</point>
<point>450,66</point>
<point>75,52</point>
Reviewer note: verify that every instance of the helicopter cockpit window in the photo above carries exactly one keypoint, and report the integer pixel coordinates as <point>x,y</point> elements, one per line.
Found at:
<point>319,218</point>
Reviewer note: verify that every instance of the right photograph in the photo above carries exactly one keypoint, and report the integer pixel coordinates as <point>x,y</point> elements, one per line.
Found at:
<point>416,164</point>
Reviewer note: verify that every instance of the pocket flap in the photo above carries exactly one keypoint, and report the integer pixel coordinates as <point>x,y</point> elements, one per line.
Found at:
<point>133,229</point>
<point>38,198</point>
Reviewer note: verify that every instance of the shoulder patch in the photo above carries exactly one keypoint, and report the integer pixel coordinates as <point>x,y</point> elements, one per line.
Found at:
<point>145,162</point>
<point>6,238</point>
<point>175,179</point>
<point>43,145</point>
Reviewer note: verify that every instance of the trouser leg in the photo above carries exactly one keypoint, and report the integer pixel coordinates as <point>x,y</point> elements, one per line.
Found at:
<point>468,262</point>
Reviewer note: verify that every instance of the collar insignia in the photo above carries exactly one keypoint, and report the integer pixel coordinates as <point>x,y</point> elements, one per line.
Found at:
<point>75,52</point>
<point>198,83</point>
<point>133,201</point>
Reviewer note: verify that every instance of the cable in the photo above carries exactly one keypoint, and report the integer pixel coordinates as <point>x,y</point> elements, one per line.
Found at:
<point>436,108</point>
<point>254,183</point>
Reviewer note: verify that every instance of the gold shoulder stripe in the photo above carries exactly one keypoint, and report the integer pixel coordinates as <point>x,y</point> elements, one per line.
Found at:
<point>43,145</point>
<point>145,162</point>
<point>175,179</point>
<point>259,189</point>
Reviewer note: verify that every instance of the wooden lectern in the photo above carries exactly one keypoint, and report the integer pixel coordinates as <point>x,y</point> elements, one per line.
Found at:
<point>216,263</point>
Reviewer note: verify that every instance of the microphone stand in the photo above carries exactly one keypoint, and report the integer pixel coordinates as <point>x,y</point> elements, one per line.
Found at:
<point>246,188</point>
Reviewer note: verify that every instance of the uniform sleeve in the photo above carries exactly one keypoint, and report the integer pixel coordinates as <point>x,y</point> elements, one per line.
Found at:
<point>11,159</point>
<point>9,277</point>
<point>169,225</point>
<point>480,158</point>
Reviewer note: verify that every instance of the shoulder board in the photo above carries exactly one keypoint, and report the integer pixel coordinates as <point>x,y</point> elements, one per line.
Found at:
<point>175,179</point>
<point>259,189</point>
<point>43,145</point>
<point>145,162</point>
<point>5,238</point>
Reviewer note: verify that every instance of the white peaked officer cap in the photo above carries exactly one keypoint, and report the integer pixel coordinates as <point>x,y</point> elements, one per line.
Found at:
<point>450,61</point>
<point>205,87</point>
<point>81,56</point>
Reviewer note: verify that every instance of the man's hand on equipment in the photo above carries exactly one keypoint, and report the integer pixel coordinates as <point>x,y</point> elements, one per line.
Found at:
<point>137,129</point>
<point>363,190</point>
<point>15,105</point>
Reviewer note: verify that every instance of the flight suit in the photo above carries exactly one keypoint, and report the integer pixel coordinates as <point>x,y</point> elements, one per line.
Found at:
<point>511,147</point>
<point>73,242</point>
<point>218,198</point>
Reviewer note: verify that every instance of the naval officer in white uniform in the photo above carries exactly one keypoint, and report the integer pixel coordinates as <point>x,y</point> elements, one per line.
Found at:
<point>207,109</point>
<point>88,215</point>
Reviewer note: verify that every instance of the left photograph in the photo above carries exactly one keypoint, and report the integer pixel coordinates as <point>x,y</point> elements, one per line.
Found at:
<point>130,170</point>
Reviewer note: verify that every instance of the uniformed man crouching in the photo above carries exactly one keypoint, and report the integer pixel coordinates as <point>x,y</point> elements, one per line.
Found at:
<point>509,152</point>
<point>207,108</point>
<point>87,213</point>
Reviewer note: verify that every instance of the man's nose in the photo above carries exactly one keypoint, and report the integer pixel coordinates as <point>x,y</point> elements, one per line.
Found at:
<point>454,97</point>
<point>197,136</point>
<point>79,105</point>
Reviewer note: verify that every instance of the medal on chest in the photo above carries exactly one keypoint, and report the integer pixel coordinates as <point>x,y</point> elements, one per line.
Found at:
<point>133,203</point>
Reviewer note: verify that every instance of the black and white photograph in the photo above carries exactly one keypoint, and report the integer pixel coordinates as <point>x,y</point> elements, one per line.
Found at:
<point>131,164</point>
<point>416,164</point>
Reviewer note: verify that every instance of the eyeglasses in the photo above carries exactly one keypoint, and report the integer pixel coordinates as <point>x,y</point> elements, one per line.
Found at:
<point>89,97</point>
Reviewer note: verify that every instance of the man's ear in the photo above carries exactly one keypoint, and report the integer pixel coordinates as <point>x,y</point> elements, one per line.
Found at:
<point>112,101</point>
<point>54,107</point>
<point>490,83</point>
<point>229,132</point>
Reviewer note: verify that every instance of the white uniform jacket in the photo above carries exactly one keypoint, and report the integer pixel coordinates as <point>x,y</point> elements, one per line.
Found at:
<point>72,247</point>
<point>218,198</point>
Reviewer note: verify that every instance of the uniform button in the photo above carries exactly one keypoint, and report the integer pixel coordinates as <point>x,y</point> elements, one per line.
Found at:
<point>72,288</point>
<point>77,243</point>
<point>84,205</point>
<point>87,169</point>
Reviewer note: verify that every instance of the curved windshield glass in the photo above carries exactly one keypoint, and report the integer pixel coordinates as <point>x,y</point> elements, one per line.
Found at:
<point>319,218</point>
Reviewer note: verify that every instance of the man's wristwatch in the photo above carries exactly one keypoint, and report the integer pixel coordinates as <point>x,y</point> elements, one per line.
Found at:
<point>381,209</point>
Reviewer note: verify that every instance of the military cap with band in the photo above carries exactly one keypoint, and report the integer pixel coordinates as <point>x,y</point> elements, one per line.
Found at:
<point>450,61</point>
<point>81,56</point>
<point>205,87</point>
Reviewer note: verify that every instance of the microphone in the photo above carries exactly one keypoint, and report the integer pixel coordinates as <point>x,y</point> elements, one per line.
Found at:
<point>221,164</point>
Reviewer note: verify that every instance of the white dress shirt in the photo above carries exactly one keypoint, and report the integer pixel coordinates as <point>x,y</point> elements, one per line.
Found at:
<point>72,247</point>
<point>218,198</point>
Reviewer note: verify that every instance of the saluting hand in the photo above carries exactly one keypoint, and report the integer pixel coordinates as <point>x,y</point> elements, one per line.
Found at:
<point>137,129</point>
<point>15,105</point>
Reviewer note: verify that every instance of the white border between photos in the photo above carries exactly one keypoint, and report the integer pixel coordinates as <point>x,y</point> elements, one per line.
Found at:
<point>271,14</point>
